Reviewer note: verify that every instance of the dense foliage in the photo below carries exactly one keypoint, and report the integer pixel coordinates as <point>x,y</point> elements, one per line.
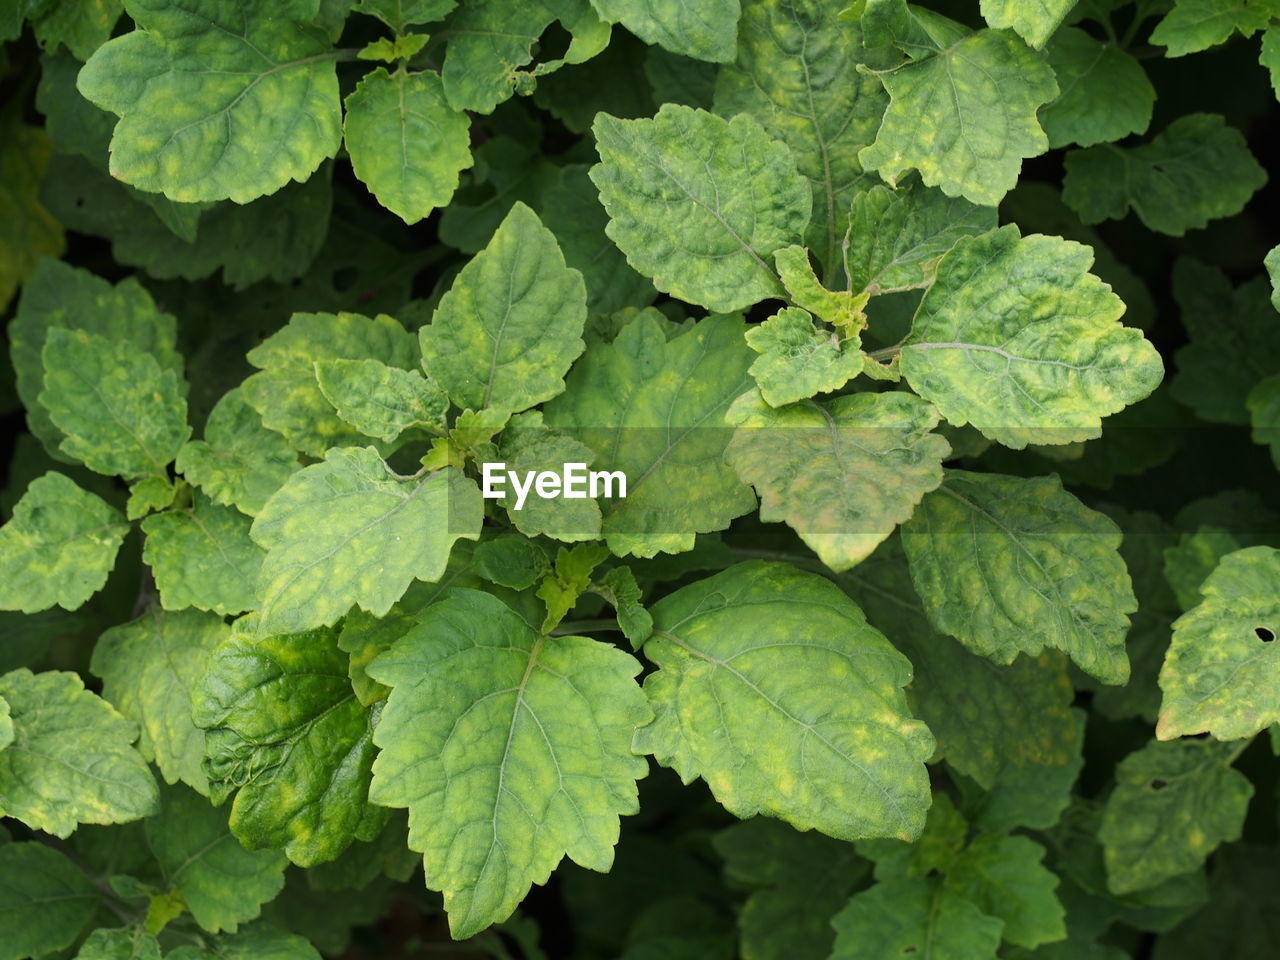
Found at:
<point>936,346</point>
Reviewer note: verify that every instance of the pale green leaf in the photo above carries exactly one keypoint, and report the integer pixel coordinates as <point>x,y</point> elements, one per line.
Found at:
<point>347,532</point>
<point>797,881</point>
<point>1234,343</point>
<point>120,411</point>
<point>704,31</point>
<point>964,115</point>
<point>58,547</point>
<point>217,100</point>
<point>1004,878</point>
<point>1195,25</point>
<point>491,40</point>
<point>843,474</point>
<point>561,589</point>
<point>27,230</point>
<point>842,309</point>
<point>81,25</point>
<point>1270,56</point>
<point>6,724</point>
<point>700,204</point>
<point>223,884</point>
<point>511,750</point>
<point>796,72</point>
<point>398,14</point>
<point>1189,561</point>
<point>286,393</point>
<point>201,556</point>
<point>283,725</point>
<point>239,462</point>
<point>1272,263</point>
<point>619,587</point>
<point>382,401</point>
<point>1172,805</point>
<point>527,444</point>
<point>62,296</point>
<point>797,360</point>
<point>126,944</point>
<point>152,492</point>
<point>895,238</point>
<point>389,50</point>
<point>1033,20</point>
<point>45,901</point>
<point>653,408</point>
<point>149,669</point>
<point>71,760</point>
<point>406,144</point>
<point>914,917</point>
<point>1221,671</point>
<point>1017,338</point>
<point>1105,92</point>
<point>1011,564</point>
<point>1264,413</point>
<point>1198,169</point>
<point>510,326</point>
<point>766,648</point>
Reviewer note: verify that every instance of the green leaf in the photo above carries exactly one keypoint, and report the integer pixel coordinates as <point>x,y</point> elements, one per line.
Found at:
<point>797,360</point>
<point>149,669</point>
<point>1033,20</point>
<point>258,941</point>
<point>842,309</point>
<point>407,109</point>
<point>1270,56</point>
<point>217,101</point>
<point>1172,805</point>
<point>800,460</point>
<point>382,401</point>
<point>120,411</point>
<point>1272,263</point>
<point>127,944</point>
<point>346,531</point>
<point>509,749</point>
<point>526,444</point>
<point>60,296</point>
<point>58,547</point>
<point>653,408</point>
<point>27,230</point>
<point>914,917</point>
<point>6,724</point>
<point>283,725</point>
<point>81,25</point>
<point>45,901</point>
<point>1220,673</point>
<point>619,587</point>
<point>561,589</point>
<point>490,40</point>
<point>239,462</point>
<point>766,648</point>
<point>796,72</point>
<point>1234,341</point>
<point>1264,413</point>
<point>571,209</point>
<point>511,561</point>
<point>1105,92</point>
<point>71,760</point>
<point>1197,170</point>
<point>796,882</point>
<point>201,556</point>
<point>286,393</point>
<point>1004,878</point>
<point>398,14</point>
<point>705,32</point>
<point>699,203</point>
<point>1195,25</point>
<point>1009,565</point>
<point>964,115</point>
<point>150,493</point>
<point>1017,338</point>
<point>895,238</point>
<point>510,326</point>
<point>223,884</point>
<point>390,50</point>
